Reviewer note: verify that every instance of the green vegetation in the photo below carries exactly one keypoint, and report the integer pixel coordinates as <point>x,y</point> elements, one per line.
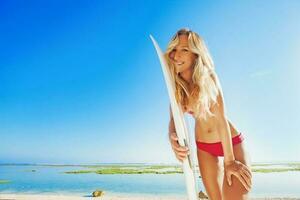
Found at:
<point>137,168</point>
<point>169,169</point>
<point>276,167</point>
<point>131,170</point>
<point>294,165</point>
<point>276,164</point>
<point>157,167</point>
<point>270,170</point>
<point>79,172</point>
<point>4,181</point>
<point>174,169</point>
<point>30,170</point>
<point>124,171</point>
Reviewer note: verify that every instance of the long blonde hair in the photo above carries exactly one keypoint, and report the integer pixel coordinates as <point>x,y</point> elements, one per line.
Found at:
<point>205,86</point>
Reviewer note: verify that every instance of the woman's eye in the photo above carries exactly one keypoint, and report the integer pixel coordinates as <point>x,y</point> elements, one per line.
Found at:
<point>185,50</point>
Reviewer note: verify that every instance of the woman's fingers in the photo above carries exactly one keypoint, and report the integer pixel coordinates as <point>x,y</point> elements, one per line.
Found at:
<point>180,148</point>
<point>241,179</point>
<point>181,155</point>
<point>174,137</point>
<point>228,176</point>
<point>242,172</point>
<point>247,171</point>
<point>180,158</point>
<point>180,151</point>
<point>247,179</point>
<point>242,175</point>
<point>246,174</point>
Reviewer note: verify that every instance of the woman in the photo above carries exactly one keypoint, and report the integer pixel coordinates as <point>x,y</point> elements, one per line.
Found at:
<point>198,91</point>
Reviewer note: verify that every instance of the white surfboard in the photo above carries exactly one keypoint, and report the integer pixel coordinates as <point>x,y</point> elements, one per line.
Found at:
<point>180,125</point>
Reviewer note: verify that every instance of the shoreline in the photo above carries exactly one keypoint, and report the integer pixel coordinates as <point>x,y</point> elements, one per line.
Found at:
<point>57,196</point>
<point>54,196</point>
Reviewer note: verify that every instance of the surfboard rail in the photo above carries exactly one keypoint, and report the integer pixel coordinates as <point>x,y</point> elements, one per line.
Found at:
<point>180,124</point>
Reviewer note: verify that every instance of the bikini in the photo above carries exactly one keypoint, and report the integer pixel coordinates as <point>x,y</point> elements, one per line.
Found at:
<point>216,148</point>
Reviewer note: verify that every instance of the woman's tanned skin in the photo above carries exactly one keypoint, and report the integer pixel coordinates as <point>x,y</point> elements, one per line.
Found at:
<point>234,182</point>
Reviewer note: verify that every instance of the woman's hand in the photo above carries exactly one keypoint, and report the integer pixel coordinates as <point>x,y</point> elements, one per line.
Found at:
<point>180,152</point>
<point>239,170</point>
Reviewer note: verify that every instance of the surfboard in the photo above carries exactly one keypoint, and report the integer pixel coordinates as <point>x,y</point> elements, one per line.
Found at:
<point>180,125</point>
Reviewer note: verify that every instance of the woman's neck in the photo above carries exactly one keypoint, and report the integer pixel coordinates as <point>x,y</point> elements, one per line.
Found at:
<point>187,76</point>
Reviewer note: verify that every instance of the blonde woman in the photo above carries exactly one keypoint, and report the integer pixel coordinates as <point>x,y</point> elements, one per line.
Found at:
<point>199,93</point>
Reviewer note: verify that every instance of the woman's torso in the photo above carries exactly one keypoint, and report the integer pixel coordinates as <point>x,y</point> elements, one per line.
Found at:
<point>206,130</point>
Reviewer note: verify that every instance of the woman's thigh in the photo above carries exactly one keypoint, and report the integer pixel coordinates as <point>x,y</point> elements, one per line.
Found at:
<point>211,174</point>
<point>236,191</point>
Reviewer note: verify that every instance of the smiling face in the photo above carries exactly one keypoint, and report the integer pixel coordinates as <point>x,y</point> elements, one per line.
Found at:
<point>181,55</point>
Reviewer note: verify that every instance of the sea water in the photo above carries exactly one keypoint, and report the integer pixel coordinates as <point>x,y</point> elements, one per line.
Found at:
<point>52,179</point>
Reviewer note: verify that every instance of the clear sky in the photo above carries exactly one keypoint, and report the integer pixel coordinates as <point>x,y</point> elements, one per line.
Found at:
<point>80,81</point>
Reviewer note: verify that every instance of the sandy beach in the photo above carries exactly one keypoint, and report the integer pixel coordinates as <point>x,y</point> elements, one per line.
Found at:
<point>73,197</point>
<point>105,197</point>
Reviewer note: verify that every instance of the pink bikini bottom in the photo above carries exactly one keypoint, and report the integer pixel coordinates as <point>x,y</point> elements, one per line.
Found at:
<point>216,148</point>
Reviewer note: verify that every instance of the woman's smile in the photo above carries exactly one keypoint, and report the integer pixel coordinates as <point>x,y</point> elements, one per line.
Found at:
<point>181,55</point>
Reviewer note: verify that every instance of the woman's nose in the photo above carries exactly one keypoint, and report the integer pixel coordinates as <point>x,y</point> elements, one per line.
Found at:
<point>176,55</point>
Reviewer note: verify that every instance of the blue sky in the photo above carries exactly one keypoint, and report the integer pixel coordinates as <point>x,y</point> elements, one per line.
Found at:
<point>81,82</point>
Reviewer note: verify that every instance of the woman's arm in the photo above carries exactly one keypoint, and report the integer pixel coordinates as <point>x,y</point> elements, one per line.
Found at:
<point>223,127</point>
<point>171,123</point>
<point>180,152</point>
<point>231,166</point>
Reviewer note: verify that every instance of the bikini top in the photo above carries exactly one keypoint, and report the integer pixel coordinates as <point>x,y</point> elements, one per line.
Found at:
<point>191,112</point>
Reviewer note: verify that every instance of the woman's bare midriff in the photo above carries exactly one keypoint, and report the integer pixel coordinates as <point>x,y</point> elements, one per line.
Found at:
<point>205,131</point>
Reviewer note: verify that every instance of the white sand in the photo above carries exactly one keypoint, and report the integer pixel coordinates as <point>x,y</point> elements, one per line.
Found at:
<point>71,197</point>
<point>105,197</point>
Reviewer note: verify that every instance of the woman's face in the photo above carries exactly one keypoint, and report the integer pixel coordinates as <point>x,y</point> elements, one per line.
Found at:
<point>181,55</point>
